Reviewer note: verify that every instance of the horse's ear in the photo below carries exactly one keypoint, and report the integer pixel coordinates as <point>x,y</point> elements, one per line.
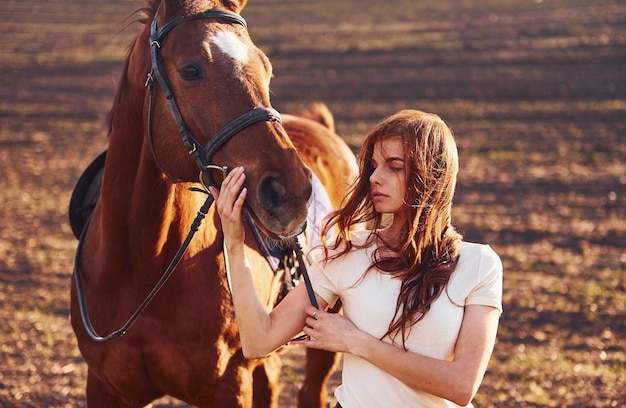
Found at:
<point>167,7</point>
<point>235,5</point>
<point>172,6</point>
<point>318,112</point>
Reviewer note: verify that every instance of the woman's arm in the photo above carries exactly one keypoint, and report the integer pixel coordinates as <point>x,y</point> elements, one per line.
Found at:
<point>456,380</point>
<point>260,332</point>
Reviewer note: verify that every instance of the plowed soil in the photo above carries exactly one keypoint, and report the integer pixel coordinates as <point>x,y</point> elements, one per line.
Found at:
<point>534,91</point>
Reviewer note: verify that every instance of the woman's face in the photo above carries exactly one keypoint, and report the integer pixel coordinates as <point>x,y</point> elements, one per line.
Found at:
<point>388,181</point>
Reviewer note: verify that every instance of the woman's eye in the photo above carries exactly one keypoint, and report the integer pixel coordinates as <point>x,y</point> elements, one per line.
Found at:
<point>189,72</point>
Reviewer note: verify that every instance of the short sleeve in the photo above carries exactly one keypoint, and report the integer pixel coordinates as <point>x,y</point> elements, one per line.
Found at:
<point>488,288</point>
<point>323,284</point>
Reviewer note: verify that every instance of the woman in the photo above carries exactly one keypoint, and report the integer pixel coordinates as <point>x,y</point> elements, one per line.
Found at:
<point>421,306</point>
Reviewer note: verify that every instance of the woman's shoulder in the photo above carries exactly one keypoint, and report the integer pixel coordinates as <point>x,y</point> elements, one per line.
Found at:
<point>360,236</point>
<point>477,261</point>
<point>474,250</point>
<point>478,276</point>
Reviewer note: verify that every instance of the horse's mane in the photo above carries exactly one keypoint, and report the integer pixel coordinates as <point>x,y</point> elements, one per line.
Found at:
<point>142,16</point>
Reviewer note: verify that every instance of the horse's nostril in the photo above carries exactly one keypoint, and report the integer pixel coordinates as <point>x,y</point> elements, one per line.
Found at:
<point>271,193</point>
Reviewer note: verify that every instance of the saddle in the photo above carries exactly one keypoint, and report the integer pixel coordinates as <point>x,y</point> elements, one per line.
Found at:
<point>85,194</point>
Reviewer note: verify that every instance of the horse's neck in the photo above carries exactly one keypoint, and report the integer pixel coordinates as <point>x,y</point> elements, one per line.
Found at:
<point>142,211</point>
<point>142,214</point>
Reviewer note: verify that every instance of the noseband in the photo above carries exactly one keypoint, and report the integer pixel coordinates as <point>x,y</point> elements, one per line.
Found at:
<point>203,155</point>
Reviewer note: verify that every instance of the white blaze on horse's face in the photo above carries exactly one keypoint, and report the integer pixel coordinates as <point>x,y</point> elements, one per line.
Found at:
<point>232,46</point>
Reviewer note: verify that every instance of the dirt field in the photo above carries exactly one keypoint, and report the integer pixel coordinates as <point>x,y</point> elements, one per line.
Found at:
<point>534,91</point>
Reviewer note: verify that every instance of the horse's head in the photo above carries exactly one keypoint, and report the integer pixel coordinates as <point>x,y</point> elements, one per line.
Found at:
<point>209,106</point>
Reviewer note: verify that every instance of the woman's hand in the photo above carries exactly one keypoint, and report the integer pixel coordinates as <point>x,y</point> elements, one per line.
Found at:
<point>329,331</point>
<point>229,202</point>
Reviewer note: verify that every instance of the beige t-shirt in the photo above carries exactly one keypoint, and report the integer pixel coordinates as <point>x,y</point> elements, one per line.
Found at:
<point>370,304</point>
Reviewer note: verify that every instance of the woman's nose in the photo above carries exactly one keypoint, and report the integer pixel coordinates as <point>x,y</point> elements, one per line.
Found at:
<point>374,177</point>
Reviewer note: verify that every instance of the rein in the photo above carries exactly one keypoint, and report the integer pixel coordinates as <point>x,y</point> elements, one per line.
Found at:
<point>202,155</point>
<point>304,273</point>
<point>195,225</point>
<point>170,269</point>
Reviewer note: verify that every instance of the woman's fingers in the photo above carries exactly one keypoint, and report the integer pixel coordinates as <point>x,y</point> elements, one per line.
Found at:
<point>229,201</point>
<point>231,196</point>
<point>328,331</point>
<point>312,311</point>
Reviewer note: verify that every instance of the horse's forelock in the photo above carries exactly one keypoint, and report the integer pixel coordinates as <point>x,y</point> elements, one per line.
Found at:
<point>153,5</point>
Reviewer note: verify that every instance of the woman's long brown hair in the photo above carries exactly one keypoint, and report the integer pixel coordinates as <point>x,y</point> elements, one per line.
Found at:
<point>429,245</point>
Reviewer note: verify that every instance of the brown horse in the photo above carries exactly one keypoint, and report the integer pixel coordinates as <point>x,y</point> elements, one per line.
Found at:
<point>193,97</point>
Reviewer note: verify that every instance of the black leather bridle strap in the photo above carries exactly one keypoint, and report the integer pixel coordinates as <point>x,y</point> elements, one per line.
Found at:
<point>80,293</point>
<point>158,73</point>
<point>228,16</point>
<point>297,248</point>
<point>202,154</point>
<point>231,129</point>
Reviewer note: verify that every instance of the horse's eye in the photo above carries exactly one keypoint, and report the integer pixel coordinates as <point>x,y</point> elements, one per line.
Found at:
<point>189,72</point>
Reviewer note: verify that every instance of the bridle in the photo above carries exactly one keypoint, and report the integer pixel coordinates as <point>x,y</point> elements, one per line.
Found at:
<point>203,156</point>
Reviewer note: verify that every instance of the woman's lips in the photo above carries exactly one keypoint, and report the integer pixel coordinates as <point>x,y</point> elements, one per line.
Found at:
<point>378,196</point>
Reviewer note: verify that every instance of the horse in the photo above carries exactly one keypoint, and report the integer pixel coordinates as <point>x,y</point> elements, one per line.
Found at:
<point>192,102</point>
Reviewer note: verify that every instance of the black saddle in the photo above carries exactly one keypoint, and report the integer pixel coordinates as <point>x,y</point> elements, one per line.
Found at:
<point>85,194</point>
